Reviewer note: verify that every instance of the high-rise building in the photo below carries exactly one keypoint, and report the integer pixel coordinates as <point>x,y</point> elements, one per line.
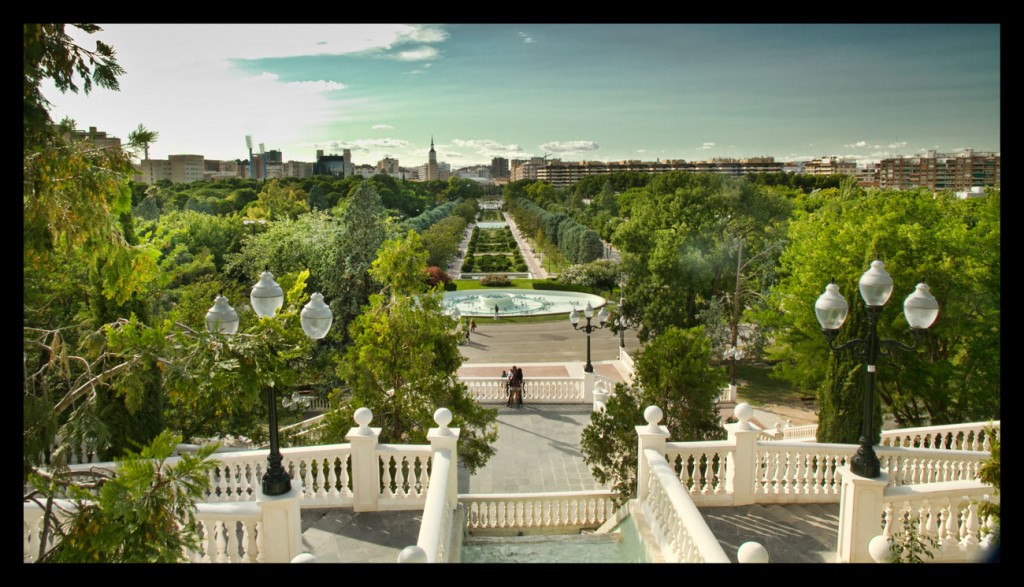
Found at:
<point>389,166</point>
<point>830,166</point>
<point>499,167</point>
<point>176,169</point>
<point>329,164</point>
<point>940,171</point>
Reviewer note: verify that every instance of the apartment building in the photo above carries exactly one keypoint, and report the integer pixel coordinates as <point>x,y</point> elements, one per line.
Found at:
<point>941,171</point>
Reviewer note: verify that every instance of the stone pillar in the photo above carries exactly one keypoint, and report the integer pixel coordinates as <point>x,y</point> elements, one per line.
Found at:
<point>281,526</point>
<point>444,438</point>
<point>650,436</point>
<point>742,463</point>
<point>365,464</point>
<point>589,380</point>
<point>601,395</point>
<point>860,515</point>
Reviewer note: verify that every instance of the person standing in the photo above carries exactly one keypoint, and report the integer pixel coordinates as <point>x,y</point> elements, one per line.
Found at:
<point>495,311</point>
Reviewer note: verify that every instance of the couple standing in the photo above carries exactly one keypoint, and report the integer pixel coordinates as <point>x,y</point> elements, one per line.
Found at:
<point>515,386</point>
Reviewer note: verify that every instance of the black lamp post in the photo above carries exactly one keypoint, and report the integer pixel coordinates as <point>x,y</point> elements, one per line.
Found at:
<point>267,297</point>
<point>920,309</point>
<point>588,312</point>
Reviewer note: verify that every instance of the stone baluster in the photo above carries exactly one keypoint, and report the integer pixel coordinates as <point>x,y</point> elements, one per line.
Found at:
<point>224,539</point>
<point>948,526</point>
<point>972,527</point>
<point>365,468</point>
<point>929,511</point>
<point>650,436</point>
<point>741,467</point>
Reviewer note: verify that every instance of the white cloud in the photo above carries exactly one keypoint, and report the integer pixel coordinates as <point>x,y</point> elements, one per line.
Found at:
<point>368,144</point>
<point>898,144</point>
<point>452,154</point>
<point>569,146</point>
<point>418,54</point>
<point>316,86</point>
<point>526,37</point>
<point>425,34</point>
<point>858,144</point>
<point>705,146</point>
<point>426,65</point>
<point>641,150</point>
<point>382,127</point>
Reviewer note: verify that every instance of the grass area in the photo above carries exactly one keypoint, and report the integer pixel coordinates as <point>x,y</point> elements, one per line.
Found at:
<point>757,387</point>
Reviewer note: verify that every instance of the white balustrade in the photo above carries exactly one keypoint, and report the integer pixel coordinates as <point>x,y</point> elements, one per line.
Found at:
<point>681,531</point>
<point>435,529</point>
<point>550,390</point>
<point>229,533</point>
<point>405,475</point>
<point>508,513</point>
<point>807,432</point>
<point>911,466</point>
<point>944,515</point>
<point>700,466</point>
<point>791,471</point>
<point>32,535</point>
<point>947,437</point>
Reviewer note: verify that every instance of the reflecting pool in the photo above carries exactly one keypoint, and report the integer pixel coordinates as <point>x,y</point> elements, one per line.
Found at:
<point>518,302</point>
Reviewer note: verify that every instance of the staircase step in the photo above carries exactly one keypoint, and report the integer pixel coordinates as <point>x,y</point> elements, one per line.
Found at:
<point>782,530</point>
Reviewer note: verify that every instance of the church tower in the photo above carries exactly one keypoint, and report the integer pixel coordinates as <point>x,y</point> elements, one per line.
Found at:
<point>432,163</point>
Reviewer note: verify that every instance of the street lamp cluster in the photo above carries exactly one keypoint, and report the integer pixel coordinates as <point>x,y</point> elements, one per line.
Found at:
<point>267,297</point>
<point>920,310</point>
<point>588,313</point>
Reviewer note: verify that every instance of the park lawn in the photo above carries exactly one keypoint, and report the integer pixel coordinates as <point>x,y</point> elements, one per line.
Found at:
<point>757,387</point>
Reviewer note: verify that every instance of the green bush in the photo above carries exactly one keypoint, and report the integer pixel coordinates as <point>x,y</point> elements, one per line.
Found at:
<point>551,284</point>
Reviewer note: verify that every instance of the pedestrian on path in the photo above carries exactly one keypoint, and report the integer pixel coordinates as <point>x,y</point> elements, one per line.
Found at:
<point>495,311</point>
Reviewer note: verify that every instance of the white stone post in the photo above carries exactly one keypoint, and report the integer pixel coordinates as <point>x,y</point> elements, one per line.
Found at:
<point>365,463</point>
<point>445,438</point>
<point>589,380</point>
<point>650,436</point>
<point>860,515</point>
<point>601,394</point>
<point>742,463</point>
<point>282,525</point>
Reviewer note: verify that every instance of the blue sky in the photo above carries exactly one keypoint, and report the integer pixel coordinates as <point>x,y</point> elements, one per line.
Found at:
<point>585,91</point>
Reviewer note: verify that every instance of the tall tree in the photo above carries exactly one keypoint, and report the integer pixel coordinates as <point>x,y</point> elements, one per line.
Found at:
<point>404,359</point>
<point>953,376</point>
<point>674,372</point>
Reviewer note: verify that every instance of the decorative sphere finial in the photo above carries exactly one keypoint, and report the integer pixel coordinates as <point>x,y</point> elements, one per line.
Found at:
<point>653,415</point>
<point>443,417</point>
<point>751,552</point>
<point>363,417</point>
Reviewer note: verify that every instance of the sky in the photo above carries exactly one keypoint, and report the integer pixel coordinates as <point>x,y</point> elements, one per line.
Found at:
<point>598,92</point>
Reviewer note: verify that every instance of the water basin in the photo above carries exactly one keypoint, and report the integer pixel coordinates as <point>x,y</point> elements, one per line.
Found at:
<point>518,302</point>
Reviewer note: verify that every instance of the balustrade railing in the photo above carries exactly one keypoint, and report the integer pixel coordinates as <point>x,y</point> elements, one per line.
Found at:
<point>913,466</point>
<point>405,475</point>
<point>945,517</point>
<point>550,390</point>
<point>947,437</point>
<point>436,527</point>
<point>700,467</point>
<point>229,533</point>
<point>32,524</point>
<point>508,513</point>
<point>681,531</point>
<point>799,471</point>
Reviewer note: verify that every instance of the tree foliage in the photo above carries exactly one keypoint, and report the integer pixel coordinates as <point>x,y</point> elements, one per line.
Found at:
<point>403,362</point>
<point>145,513</point>
<point>674,372</point>
<point>953,375</point>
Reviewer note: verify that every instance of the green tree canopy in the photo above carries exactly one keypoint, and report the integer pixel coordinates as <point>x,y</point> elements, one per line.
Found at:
<point>403,362</point>
<point>674,372</point>
<point>954,374</point>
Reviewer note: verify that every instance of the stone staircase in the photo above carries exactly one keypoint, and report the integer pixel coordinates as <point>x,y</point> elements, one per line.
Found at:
<point>791,533</point>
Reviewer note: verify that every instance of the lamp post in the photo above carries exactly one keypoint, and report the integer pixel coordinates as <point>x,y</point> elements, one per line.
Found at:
<point>588,313</point>
<point>267,297</point>
<point>920,310</point>
<point>735,354</point>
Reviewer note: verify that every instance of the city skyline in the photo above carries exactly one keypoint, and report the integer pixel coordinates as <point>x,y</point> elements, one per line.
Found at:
<point>575,92</point>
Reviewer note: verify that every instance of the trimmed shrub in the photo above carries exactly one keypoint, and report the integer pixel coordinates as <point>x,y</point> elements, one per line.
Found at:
<point>499,280</point>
